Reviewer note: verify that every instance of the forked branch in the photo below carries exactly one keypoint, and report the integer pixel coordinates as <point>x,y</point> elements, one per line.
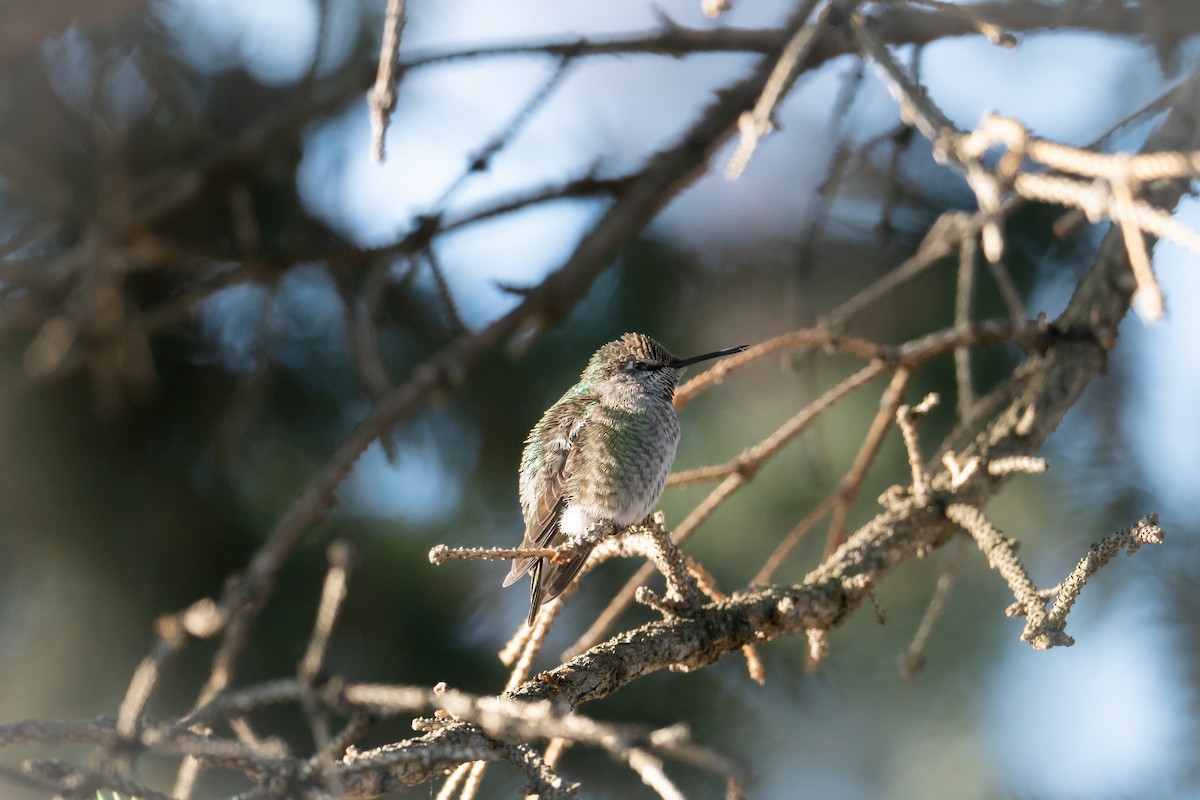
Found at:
<point>1043,629</point>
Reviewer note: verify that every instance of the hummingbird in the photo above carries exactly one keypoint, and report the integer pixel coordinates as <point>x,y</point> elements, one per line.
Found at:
<point>598,459</point>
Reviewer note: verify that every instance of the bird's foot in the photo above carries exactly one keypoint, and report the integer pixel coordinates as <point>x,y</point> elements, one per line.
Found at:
<point>656,522</point>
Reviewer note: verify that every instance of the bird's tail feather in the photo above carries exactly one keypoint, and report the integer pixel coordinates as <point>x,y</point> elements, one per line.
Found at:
<point>520,566</point>
<point>550,580</point>
<point>535,591</point>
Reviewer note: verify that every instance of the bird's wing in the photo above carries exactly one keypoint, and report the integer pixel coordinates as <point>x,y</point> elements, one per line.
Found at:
<point>550,578</point>
<point>542,521</point>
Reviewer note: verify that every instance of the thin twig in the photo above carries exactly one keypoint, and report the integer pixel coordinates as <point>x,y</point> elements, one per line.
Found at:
<point>440,553</point>
<point>482,158</point>
<point>756,123</point>
<point>906,418</point>
<point>453,781</point>
<point>650,770</point>
<point>1145,531</point>
<point>964,294</point>
<point>333,595</point>
<point>794,537</point>
<point>708,585</point>
<point>943,236</point>
<point>912,660</point>
<point>850,486</point>
<point>383,95</point>
<point>449,306</point>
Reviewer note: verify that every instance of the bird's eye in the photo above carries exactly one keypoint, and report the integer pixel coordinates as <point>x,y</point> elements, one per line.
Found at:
<point>642,365</point>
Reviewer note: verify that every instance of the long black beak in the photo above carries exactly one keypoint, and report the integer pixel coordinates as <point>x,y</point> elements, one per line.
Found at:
<point>683,362</point>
